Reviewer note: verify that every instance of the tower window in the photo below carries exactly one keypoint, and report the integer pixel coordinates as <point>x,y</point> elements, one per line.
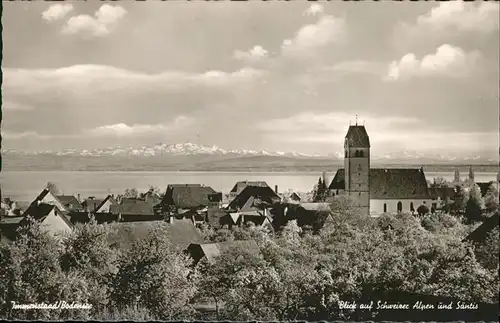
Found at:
<point>346,154</point>
<point>385,207</point>
<point>361,154</point>
<point>400,207</point>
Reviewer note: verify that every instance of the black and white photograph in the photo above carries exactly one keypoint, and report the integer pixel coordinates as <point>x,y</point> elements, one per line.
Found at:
<point>250,160</point>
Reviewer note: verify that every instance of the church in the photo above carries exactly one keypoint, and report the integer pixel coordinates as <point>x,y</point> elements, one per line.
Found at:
<point>377,190</point>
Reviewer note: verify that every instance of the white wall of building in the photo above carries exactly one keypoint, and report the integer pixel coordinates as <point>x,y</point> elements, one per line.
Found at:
<point>55,225</point>
<point>377,206</point>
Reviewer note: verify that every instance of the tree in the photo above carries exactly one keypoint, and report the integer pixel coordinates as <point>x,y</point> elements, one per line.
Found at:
<point>52,187</point>
<point>422,210</point>
<point>131,193</point>
<point>475,205</point>
<point>88,252</point>
<point>156,276</point>
<point>30,273</point>
<point>320,191</point>
<point>491,198</point>
<point>460,201</point>
<point>439,182</point>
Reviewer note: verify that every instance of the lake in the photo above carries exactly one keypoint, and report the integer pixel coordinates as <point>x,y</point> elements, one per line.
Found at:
<point>26,185</point>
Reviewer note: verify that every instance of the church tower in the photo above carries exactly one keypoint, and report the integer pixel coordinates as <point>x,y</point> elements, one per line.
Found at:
<point>357,166</point>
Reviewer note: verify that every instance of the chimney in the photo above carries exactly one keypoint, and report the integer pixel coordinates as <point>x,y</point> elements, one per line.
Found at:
<point>276,189</point>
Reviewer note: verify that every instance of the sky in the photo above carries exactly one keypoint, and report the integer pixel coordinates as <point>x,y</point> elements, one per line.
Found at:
<point>281,76</point>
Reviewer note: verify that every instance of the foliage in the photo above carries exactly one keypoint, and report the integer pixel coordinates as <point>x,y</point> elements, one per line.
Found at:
<point>30,272</point>
<point>487,251</point>
<point>460,201</point>
<point>52,187</point>
<point>131,193</point>
<point>439,182</point>
<point>423,210</point>
<point>491,198</point>
<point>154,275</point>
<point>297,276</point>
<point>475,205</point>
<point>87,251</point>
<point>124,313</point>
<point>320,191</point>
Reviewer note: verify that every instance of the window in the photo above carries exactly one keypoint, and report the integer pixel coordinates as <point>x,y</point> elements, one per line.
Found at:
<point>359,193</point>
<point>412,209</point>
<point>361,154</point>
<point>356,154</point>
<point>400,207</point>
<point>346,154</point>
<point>385,207</point>
<point>359,167</point>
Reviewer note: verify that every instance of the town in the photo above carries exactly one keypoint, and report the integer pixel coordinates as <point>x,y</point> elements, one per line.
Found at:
<point>194,217</point>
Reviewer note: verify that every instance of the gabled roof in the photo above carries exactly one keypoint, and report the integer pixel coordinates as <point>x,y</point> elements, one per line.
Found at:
<point>391,183</point>
<point>91,204</point>
<point>181,233</point>
<point>241,185</point>
<point>69,200</point>
<point>40,212</point>
<point>482,231</point>
<point>138,207</point>
<point>213,250</point>
<point>263,194</point>
<point>315,206</point>
<point>357,137</point>
<point>108,198</point>
<point>188,196</point>
<point>39,199</point>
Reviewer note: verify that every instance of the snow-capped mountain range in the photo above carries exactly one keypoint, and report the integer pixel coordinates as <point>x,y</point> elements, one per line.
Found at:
<point>183,149</point>
<point>191,149</point>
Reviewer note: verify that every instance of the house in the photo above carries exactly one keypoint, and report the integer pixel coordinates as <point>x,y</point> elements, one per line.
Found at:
<point>151,197</point>
<point>47,197</point>
<point>50,217</point>
<point>71,204</point>
<point>313,215</point>
<point>442,194</point>
<point>181,233</point>
<point>259,195</point>
<point>137,210</point>
<point>105,205</point>
<point>294,197</point>
<point>211,251</point>
<point>90,204</point>
<point>241,185</point>
<point>190,201</point>
<point>377,190</point>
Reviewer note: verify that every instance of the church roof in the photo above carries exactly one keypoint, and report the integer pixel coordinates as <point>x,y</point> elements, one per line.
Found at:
<point>357,137</point>
<point>391,183</point>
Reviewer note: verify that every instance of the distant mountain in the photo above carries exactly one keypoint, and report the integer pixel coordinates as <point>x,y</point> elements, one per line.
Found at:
<point>189,156</point>
<point>184,149</point>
